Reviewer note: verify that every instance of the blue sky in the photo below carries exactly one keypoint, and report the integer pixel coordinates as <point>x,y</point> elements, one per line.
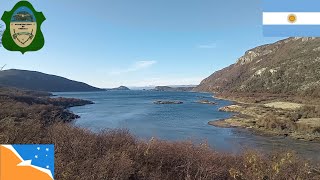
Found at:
<point>108,43</point>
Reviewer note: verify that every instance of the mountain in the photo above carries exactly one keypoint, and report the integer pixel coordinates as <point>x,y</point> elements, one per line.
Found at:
<point>38,81</point>
<point>190,87</point>
<point>290,66</point>
<point>175,88</point>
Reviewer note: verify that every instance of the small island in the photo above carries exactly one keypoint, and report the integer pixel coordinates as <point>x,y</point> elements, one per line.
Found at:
<point>204,101</point>
<point>120,88</point>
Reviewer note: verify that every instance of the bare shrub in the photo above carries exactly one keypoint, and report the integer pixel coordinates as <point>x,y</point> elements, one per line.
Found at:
<point>310,111</point>
<point>284,165</point>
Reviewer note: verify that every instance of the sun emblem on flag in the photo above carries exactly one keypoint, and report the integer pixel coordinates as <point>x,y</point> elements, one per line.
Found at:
<point>292,18</point>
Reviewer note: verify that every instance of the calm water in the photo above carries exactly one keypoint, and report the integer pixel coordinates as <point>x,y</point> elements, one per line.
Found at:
<point>134,110</point>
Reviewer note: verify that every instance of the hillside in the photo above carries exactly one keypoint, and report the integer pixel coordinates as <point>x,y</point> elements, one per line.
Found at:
<point>290,66</point>
<point>276,88</point>
<point>38,81</point>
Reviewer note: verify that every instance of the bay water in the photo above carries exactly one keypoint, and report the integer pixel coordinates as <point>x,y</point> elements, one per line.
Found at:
<point>135,111</point>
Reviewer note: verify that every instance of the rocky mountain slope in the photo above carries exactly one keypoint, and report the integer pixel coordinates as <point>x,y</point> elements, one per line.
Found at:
<point>290,66</point>
<point>32,80</point>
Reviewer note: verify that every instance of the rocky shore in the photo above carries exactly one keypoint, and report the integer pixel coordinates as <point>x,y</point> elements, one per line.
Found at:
<point>22,105</point>
<point>296,120</point>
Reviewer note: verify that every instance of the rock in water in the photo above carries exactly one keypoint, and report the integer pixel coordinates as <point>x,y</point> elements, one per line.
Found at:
<point>168,102</point>
<point>206,102</point>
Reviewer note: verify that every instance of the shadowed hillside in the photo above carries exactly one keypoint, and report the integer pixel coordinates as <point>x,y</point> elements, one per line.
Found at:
<point>41,82</point>
<point>290,66</point>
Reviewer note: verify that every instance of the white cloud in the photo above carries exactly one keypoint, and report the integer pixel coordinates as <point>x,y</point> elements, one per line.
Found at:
<point>207,46</point>
<point>137,66</point>
<point>143,64</point>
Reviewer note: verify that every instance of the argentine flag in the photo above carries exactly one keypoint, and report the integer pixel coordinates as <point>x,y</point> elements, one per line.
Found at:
<point>291,18</point>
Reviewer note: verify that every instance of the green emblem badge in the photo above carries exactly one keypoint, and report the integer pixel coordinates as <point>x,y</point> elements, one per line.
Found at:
<point>23,32</point>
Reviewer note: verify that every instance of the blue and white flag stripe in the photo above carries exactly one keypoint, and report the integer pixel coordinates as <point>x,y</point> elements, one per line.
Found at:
<point>291,5</point>
<point>281,18</point>
<point>291,31</point>
<point>276,18</point>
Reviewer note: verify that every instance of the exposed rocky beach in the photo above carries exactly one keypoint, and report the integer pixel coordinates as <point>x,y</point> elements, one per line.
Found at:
<point>274,117</point>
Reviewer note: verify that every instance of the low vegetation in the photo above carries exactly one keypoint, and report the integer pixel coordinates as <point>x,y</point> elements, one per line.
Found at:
<point>22,106</point>
<point>116,154</point>
<point>294,121</point>
<point>275,114</point>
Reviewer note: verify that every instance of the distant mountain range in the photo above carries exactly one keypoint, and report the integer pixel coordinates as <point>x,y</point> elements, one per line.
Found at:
<point>38,81</point>
<point>290,66</point>
<point>120,88</point>
<point>154,87</point>
<point>175,88</point>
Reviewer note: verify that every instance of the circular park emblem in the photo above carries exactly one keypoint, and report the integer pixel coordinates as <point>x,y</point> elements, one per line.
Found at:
<point>23,31</point>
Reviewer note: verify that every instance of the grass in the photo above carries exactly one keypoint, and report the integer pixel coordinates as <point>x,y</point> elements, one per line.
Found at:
<point>298,117</point>
<point>116,154</point>
<point>289,121</point>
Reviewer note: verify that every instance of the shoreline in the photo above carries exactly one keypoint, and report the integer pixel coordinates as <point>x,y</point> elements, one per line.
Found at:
<point>247,114</point>
<point>252,116</point>
<point>251,133</point>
